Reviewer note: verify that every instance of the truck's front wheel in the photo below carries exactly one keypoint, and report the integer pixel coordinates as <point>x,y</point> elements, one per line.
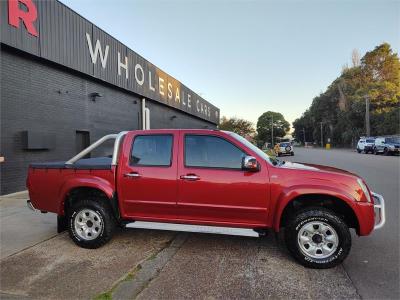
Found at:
<point>90,224</point>
<point>318,238</point>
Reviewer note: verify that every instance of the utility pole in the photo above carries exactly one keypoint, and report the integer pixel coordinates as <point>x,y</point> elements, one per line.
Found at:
<point>322,137</point>
<point>272,130</point>
<point>367,125</point>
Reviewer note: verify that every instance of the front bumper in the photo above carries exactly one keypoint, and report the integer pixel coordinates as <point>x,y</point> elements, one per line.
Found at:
<point>285,151</point>
<point>379,208</point>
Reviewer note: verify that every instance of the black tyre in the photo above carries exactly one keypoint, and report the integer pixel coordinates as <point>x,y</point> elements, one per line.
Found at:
<point>386,151</point>
<point>90,223</point>
<point>358,150</point>
<point>375,151</point>
<point>292,154</point>
<point>318,238</point>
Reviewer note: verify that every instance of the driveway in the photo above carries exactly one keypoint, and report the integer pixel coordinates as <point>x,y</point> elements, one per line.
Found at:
<point>150,264</point>
<point>21,227</point>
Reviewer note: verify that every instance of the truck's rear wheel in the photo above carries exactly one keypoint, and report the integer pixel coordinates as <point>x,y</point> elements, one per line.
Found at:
<point>90,224</point>
<point>318,238</point>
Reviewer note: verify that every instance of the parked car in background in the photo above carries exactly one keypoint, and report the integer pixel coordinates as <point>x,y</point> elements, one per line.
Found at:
<point>387,145</point>
<point>366,145</point>
<point>285,148</point>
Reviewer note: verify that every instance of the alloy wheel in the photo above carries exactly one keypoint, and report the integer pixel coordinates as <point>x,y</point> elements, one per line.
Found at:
<point>88,224</point>
<point>317,239</point>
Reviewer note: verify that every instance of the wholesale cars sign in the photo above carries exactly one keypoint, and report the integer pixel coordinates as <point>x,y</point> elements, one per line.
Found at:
<point>51,30</point>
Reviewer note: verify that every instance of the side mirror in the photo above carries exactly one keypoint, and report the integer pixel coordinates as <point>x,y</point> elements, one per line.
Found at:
<point>250,164</point>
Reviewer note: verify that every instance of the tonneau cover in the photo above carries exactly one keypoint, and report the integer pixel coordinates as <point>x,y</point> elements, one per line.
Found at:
<point>98,163</point>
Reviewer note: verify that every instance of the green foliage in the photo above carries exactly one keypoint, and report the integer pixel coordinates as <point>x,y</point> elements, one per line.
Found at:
<point>265,123</point>
<point>386,123</point>
<point>239,126</point>
<point>104,296</point>
<point>270,153</point>
<point>341,108</point>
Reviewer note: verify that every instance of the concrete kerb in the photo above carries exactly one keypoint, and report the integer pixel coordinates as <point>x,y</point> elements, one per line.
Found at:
<point>17,195</point>
<point>131,286</point>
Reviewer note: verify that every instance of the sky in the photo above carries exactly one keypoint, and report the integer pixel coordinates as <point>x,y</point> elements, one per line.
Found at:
<point>248,57</point>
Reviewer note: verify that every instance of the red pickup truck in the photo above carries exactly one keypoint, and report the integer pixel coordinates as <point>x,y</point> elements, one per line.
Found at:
<point>206,177</point>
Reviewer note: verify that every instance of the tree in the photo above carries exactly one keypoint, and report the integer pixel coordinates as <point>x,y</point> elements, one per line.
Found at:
<point>341,108</point>
<point>303,128</point>
<point>237,125</point>
<point>266,122</point>
<point>355,58</point>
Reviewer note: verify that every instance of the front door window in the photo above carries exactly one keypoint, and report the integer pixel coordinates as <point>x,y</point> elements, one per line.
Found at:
<point>212,152</point>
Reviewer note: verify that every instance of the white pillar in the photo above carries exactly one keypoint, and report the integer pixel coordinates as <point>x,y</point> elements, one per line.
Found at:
<point>144,114</point>
<point>147,114</point>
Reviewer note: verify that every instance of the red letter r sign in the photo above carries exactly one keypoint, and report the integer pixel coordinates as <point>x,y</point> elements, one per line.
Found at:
<point>15,13</point>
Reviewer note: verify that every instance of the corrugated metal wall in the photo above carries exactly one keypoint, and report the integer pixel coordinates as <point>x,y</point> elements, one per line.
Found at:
<point>62,39</point>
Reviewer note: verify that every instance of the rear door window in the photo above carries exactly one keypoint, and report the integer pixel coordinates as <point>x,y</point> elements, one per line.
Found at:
<point>152,150</point>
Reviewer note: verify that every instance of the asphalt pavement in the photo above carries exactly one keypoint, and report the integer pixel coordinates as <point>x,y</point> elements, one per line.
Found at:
<point>373,263</point>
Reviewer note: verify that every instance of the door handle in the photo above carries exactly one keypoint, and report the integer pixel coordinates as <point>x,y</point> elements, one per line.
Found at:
<point>190,177</point>
<point>132,175</point>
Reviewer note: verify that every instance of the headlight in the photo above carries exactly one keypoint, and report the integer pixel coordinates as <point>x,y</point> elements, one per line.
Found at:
<point>364,189</point>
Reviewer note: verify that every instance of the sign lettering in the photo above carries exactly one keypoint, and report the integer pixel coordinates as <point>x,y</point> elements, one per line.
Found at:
<point>93,52</point>
<point>28,17</point>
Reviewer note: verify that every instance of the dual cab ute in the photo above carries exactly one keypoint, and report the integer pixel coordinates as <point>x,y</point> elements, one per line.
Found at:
<point>206,177</point>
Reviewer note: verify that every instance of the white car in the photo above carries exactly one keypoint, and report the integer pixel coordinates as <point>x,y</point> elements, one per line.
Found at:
<point>366,145</point>
<point>285,149</point>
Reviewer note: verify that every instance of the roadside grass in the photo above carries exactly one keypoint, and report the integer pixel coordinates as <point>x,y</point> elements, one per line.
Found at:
<point>130,276</point>
<point>104,296</point>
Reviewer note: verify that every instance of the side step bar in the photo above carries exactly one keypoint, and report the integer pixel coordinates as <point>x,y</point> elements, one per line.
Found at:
<point>194,228</point>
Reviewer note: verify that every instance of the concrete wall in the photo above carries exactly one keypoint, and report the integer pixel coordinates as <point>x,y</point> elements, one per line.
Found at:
<point>43,97</point>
